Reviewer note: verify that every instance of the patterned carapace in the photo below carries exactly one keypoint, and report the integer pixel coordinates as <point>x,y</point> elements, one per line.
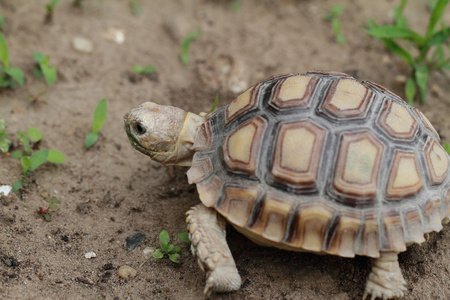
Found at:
<point>323,163</point>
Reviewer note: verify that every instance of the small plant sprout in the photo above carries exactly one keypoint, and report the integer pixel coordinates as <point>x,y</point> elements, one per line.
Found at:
<point>50,7</point>
<point>430,49</point>
<point>31,161</point>
<point>144,70</point>
<point>4,142</point>
<point>43,69</point>
<point>186,44</point>
<point>97,124</point>
<point>170,249</point>
<point>2,21</point>
<point>236,5</point>
<point>447,147</point>
<point>52,205</point>
<point>216,100</point>
<point>135,8</point>
<point>9,76</point>
<point>333,17</point>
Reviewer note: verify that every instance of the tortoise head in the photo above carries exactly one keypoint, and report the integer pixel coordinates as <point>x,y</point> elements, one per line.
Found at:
<point>165,133</point>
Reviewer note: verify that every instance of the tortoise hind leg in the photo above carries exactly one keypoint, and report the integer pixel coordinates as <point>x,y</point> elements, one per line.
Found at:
<point>386,280</point>
<point>207,234</point>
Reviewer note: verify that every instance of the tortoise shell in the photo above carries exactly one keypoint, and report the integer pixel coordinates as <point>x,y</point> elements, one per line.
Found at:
<point>322,163</point>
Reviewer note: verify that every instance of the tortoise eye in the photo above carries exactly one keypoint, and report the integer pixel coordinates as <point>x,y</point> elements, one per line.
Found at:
<point>139,129</point>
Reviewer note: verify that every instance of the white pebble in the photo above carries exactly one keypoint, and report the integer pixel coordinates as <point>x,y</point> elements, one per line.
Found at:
<point>148,251</point>
<point>127,272</point>
<point>90,254</point>
<point>82,44</point>
<point>5,190</point>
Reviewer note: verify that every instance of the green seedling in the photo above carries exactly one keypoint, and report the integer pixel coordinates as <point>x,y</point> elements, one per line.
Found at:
<point>9,76</point>
<point>447,147</point>
<point>97,123</point>
<point>144,70</point>
<point>236,5</point>
<point>31,161</point>
<point>135,8</point>
<point>423,53</point>
<point>43,69</point>
<point>4,142</point>
<point>186,44</point>
<point>216,100</point>
<point>170,249</point>
<point>2,21</point>
<point>333,17</point>
<point>50,7</point>
<point>52,205</point>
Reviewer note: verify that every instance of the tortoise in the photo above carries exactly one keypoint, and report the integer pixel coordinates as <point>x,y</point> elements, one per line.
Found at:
<point>315,162</point>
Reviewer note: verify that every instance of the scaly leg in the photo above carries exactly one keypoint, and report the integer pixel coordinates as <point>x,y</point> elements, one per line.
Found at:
<point>386,280</point>
<point>207,234</point>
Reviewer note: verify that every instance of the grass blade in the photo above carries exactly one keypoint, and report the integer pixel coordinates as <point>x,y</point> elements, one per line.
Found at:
<point>436,15</point>
<point>186,44</point>
<point>421,77</point>
<point>393,32</point>
<point>99,116</point>
<point>399,51</point>
<point>4,54</point>
<point>26,164</point>
<point>410,90</point>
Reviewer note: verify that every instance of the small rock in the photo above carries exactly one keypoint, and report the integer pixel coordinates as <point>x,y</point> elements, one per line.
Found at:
<point>127,272</point>
<point>148,251</point>
<point>5,190</point>
<point>65,238</point>
<point>400,79</point>
<point>135,240</point>
<point>82,44</point>
<point>11,262</point>
<point>115,35</point>
<point>90,254</point>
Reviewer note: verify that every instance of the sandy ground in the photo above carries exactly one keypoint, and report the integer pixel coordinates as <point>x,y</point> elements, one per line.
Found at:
<point>111,191</point>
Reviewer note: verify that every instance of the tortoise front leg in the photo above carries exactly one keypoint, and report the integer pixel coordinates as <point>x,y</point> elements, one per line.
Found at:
<point>386,280</point>
<point>207,234</point>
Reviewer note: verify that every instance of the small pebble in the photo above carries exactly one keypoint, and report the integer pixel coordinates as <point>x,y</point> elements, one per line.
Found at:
<point>115,35</point>
<point>90,254</point>
<point>82,44</point>
<point>127,272</point>
<point>135,240</point>
<point>148,251</point>
<point>5,190</point>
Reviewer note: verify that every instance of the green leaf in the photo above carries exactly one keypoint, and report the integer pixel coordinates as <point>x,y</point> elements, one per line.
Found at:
<point>165,247</point>
<point>170,248</point>
<point>235,5</point>
<point>184,236</point>
<point>164,237</point>
<point>37,159</point>
<point>47,217</point>
<point>174,257</point>
<point>35,134</point>
<point>51,6</point>
<point>16,154</point>
<point>399,51</point>
<point>17,185</point>
<point>2,21</point>
<point>49,73</point>
<point>216,100</point>
<point>410,90</point>
<point>15,73</point>
<point>4,54</point>
<point>56,157</point>
<point>447,147</point>
<point>4,145</point>
<point>53,206</point>
<point>38,57</point>
<point>436,15</point>
<point>37,73</point>
<point>421,77</point>
<point>144,70</point>
<point>393,32</point>
<point>90,140</point>
<point>22,136</point>
<point>439,37</point>
<point>53,200</point>
<point>186,44</point>
<point>135,8</point>
<point>26,164</point>
<point>99,116</point>
<point>176,249</point>
<point>158,254</point>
